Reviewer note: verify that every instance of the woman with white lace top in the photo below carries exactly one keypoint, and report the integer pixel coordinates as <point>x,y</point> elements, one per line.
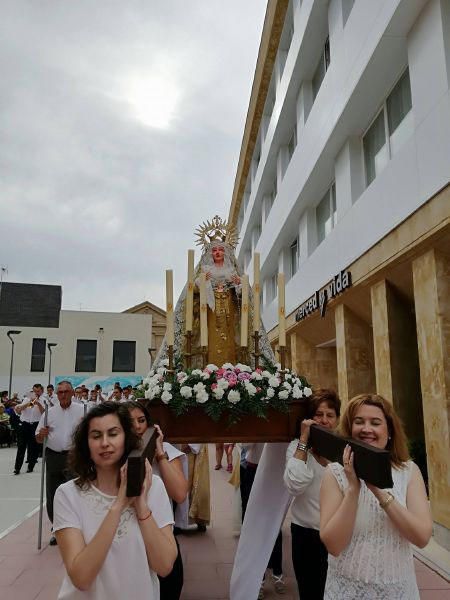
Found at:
<point>368,531</point>
<point>303,477</point>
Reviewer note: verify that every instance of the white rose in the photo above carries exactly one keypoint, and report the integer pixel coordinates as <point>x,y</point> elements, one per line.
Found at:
<point>283,395</point>
<point>287,386</point>
<point>186,391</point>
<point>199,387</point>
<point>256,376</point>
<point>223,383</point>
<point>181,375</point>
<point>244,368</point>
<point>274,382</point>
<point>147,394</point>
<point>212,367</point>
<point>161,371</point>
<point>166,397</point>
<point>234,396</point>
<point>278,366</point>
<point>307,391</point>
<point>228,366</point>
<point>251,389</point>
<point>297,392</point>
<point>270,393</point>
<point>288,376</point>
<point>206,375</point>
<point>202,397</point>
<point>266,374</point>
<point>167,387</point>
<point>183,379</point>
<point>165,362</point>
<point>146,381</point>
<point>218,393</point>
<point>197,372</point>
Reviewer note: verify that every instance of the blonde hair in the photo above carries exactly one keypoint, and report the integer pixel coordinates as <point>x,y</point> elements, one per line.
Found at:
<point>397,443</point>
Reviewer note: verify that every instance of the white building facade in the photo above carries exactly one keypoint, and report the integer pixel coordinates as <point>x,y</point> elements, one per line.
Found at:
<point>91,347</point>
<point>343,179</point>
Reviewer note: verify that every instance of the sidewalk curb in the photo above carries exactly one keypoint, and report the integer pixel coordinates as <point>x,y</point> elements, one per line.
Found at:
<point>18,523</point>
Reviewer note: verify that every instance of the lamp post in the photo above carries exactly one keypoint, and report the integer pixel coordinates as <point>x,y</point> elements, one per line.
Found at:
<point>9,334</point>
<point>50,345</point>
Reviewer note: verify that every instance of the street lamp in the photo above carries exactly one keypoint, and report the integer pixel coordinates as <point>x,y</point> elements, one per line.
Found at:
<point>50,345</point>
<point>9,334</point>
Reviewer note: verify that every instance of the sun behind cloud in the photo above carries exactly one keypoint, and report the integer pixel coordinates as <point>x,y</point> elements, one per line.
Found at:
<point>153,98</point>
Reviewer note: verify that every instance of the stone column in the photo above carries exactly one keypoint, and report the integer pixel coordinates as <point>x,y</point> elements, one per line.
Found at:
<point>396,357</point>
<point>354,353</point>
<point>431,275</point>
<point>318,365</point>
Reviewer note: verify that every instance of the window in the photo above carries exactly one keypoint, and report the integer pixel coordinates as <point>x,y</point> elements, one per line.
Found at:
<point>124,356</point>
<point>390,129</point>
<point>321,69</point>
<point>293,257</point>
<point>86,357</point>
<point>292,143</point>
<point>326,214</point>
<point>38,354</point>
<point>272,287</point>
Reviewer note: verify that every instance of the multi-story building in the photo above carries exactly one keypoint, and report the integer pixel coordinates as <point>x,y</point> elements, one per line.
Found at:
<point>85,347</point>
<point>343,185</point>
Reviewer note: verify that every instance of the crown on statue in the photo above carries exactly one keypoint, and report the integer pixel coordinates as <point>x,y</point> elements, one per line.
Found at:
<point>216,230</point>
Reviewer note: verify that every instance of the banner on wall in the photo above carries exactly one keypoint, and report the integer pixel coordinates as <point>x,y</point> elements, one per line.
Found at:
<point>107,383</point>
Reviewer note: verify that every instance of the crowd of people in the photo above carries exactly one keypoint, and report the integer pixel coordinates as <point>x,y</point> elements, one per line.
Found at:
<point>350,539</point>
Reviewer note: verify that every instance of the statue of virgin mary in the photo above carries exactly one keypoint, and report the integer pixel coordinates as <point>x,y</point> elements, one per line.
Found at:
<point>218,240</point>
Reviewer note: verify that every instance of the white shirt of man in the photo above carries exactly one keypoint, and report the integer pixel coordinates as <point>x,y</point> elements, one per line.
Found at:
<point>32,414</point>
<point>52,400</point>
<point>62,423</point>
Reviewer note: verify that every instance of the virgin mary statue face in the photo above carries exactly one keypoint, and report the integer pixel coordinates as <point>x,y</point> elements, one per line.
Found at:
<point>218,252</point>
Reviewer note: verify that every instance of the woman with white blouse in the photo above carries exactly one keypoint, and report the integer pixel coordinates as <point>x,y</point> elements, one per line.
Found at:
<point>112,546</point>
<point>303,477</point>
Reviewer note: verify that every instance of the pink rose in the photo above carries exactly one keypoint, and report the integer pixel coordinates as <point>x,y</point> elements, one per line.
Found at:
<point>214,386</point>
<point>231,378</point>
<point>219,373</point>
<point>244,376</point>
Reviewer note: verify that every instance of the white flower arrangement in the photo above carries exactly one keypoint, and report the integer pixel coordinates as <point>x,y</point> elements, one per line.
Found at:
<point>234,390</point>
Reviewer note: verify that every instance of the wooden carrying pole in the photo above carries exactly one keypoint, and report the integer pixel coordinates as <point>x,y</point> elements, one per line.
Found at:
<point>136,462</point>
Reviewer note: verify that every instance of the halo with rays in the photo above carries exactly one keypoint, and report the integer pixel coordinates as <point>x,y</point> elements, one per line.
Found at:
<point>216,229</point>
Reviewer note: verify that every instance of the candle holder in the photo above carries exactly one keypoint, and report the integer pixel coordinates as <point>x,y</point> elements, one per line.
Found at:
<point>282,353</point>
<point>188,353</point>
<point>256,354</point>
<point>204,353</point>
<point>170,370</point>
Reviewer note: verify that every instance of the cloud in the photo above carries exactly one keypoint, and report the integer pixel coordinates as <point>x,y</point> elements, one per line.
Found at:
<point>121,124</point>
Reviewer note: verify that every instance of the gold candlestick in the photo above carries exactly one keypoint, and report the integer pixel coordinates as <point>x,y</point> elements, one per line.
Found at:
<point>171,369</point>
<point>204,353</point>
<point>256,354</point>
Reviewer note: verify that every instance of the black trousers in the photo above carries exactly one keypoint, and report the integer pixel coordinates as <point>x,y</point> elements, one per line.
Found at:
<point>56,473</point>
<point>26,442</point>
<point>310,560</point>
<point>170,586</point>
<point>276,558</point>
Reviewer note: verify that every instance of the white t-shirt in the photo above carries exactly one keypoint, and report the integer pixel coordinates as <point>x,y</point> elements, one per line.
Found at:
<point>62,423</point>
<point>125,571</point>
<point>32,414</point>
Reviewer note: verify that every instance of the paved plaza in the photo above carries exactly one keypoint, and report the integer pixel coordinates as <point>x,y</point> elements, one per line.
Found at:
<point>29,574</point>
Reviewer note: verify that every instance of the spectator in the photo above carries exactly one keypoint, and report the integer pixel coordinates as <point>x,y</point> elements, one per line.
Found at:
<point>30,411</point>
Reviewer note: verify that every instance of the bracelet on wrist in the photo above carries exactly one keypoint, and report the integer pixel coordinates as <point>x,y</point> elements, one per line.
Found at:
<point>387,500</point>
<point>301,447</point>
<point>161,456</point>
<point>145,518</point>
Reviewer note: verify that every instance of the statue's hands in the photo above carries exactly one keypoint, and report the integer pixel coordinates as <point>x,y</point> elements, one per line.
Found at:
<point>208,275</point>
<point>236,279</point>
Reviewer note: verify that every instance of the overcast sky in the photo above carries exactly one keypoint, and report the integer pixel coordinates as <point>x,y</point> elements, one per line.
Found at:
<point>120,130</point>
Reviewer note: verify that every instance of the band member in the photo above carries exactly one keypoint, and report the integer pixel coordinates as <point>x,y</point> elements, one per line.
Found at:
<point>30,411</point>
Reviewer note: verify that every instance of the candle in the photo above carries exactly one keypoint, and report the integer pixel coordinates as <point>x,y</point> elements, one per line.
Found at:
<point>203,311</point>
<point>256,293</point>
<point>190,291</point>
<point>281,311</point>
<point>244,310</point>
<point>170,336</point>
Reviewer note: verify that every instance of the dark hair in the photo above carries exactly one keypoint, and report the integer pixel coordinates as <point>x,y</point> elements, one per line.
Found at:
<point>80,461</point>
<point>38,385</point>
<point>4,393</point>
<point>330,397</point>
<point>50,386</point>
<point>135,405</point>
<point>397,443</point>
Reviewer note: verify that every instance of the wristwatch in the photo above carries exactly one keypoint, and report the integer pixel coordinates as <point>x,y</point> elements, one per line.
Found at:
<point>161,456</point>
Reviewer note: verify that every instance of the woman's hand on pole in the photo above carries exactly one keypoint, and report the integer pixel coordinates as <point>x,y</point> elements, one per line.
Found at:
<point>140,502</point>
<point>159,440</point>
<point>349,469</point>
